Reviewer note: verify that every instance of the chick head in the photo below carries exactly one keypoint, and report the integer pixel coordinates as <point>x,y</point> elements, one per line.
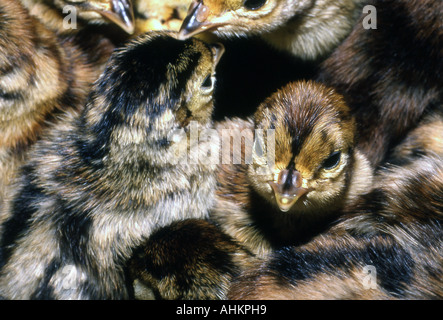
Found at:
<point>159,76</point>
<point>314,137</point>
<point>238,17</point>
<point>153,86</point>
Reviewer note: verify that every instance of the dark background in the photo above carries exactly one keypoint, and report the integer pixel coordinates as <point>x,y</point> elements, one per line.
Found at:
<point>250,71</point>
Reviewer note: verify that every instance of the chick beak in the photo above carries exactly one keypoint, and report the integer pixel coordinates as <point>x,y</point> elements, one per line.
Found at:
<point>195,21</point>
<point>218,49</point>
<point>120,13</point>
<point>288,189</point>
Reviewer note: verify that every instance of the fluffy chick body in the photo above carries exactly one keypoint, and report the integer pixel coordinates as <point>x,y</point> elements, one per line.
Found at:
<point>307,29</point>
<point>41,76</point>
<point>191,259</point>
<point>388,246</point>
<point>265,205</point>
<point>99,184</point>
<point>390,76</point>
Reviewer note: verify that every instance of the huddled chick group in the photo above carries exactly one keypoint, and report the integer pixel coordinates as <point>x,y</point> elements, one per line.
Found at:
<point>111,189</point>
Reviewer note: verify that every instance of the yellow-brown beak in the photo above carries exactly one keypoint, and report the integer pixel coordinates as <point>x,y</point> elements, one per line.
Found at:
<point>288,189</point>
<point>121,13</point>
<point>196,21</point>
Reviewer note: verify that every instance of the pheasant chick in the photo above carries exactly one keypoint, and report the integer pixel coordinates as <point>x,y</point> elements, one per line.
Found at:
<point>314,169</point>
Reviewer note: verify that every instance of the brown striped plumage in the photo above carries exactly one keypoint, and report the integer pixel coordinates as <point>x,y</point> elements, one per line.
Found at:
<point>103,180</point>
<point>41,76</point>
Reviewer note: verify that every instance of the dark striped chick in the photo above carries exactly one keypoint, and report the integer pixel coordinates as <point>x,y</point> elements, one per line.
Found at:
<point>98,185</point>
<point>315,172</point>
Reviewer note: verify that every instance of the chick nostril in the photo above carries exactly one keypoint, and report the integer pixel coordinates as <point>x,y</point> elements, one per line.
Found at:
<point>289,180</point>
<point>296,179</point>
<point>282,177</point>
<point>288,189</point>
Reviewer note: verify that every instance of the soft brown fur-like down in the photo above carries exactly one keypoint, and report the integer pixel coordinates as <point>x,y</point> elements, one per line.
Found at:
<point>41,76</point>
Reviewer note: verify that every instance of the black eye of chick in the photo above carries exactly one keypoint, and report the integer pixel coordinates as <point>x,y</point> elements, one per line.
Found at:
<point>207,83</point>
<point>332,161</point>
<point>254,4</point>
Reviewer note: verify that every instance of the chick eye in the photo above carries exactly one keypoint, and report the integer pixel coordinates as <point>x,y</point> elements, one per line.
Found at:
<point>332,161</point>
<point>254,4</point>
<point>208,83</point>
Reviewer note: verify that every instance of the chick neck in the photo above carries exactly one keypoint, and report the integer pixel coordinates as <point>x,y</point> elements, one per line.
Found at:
<point>282,229</point>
